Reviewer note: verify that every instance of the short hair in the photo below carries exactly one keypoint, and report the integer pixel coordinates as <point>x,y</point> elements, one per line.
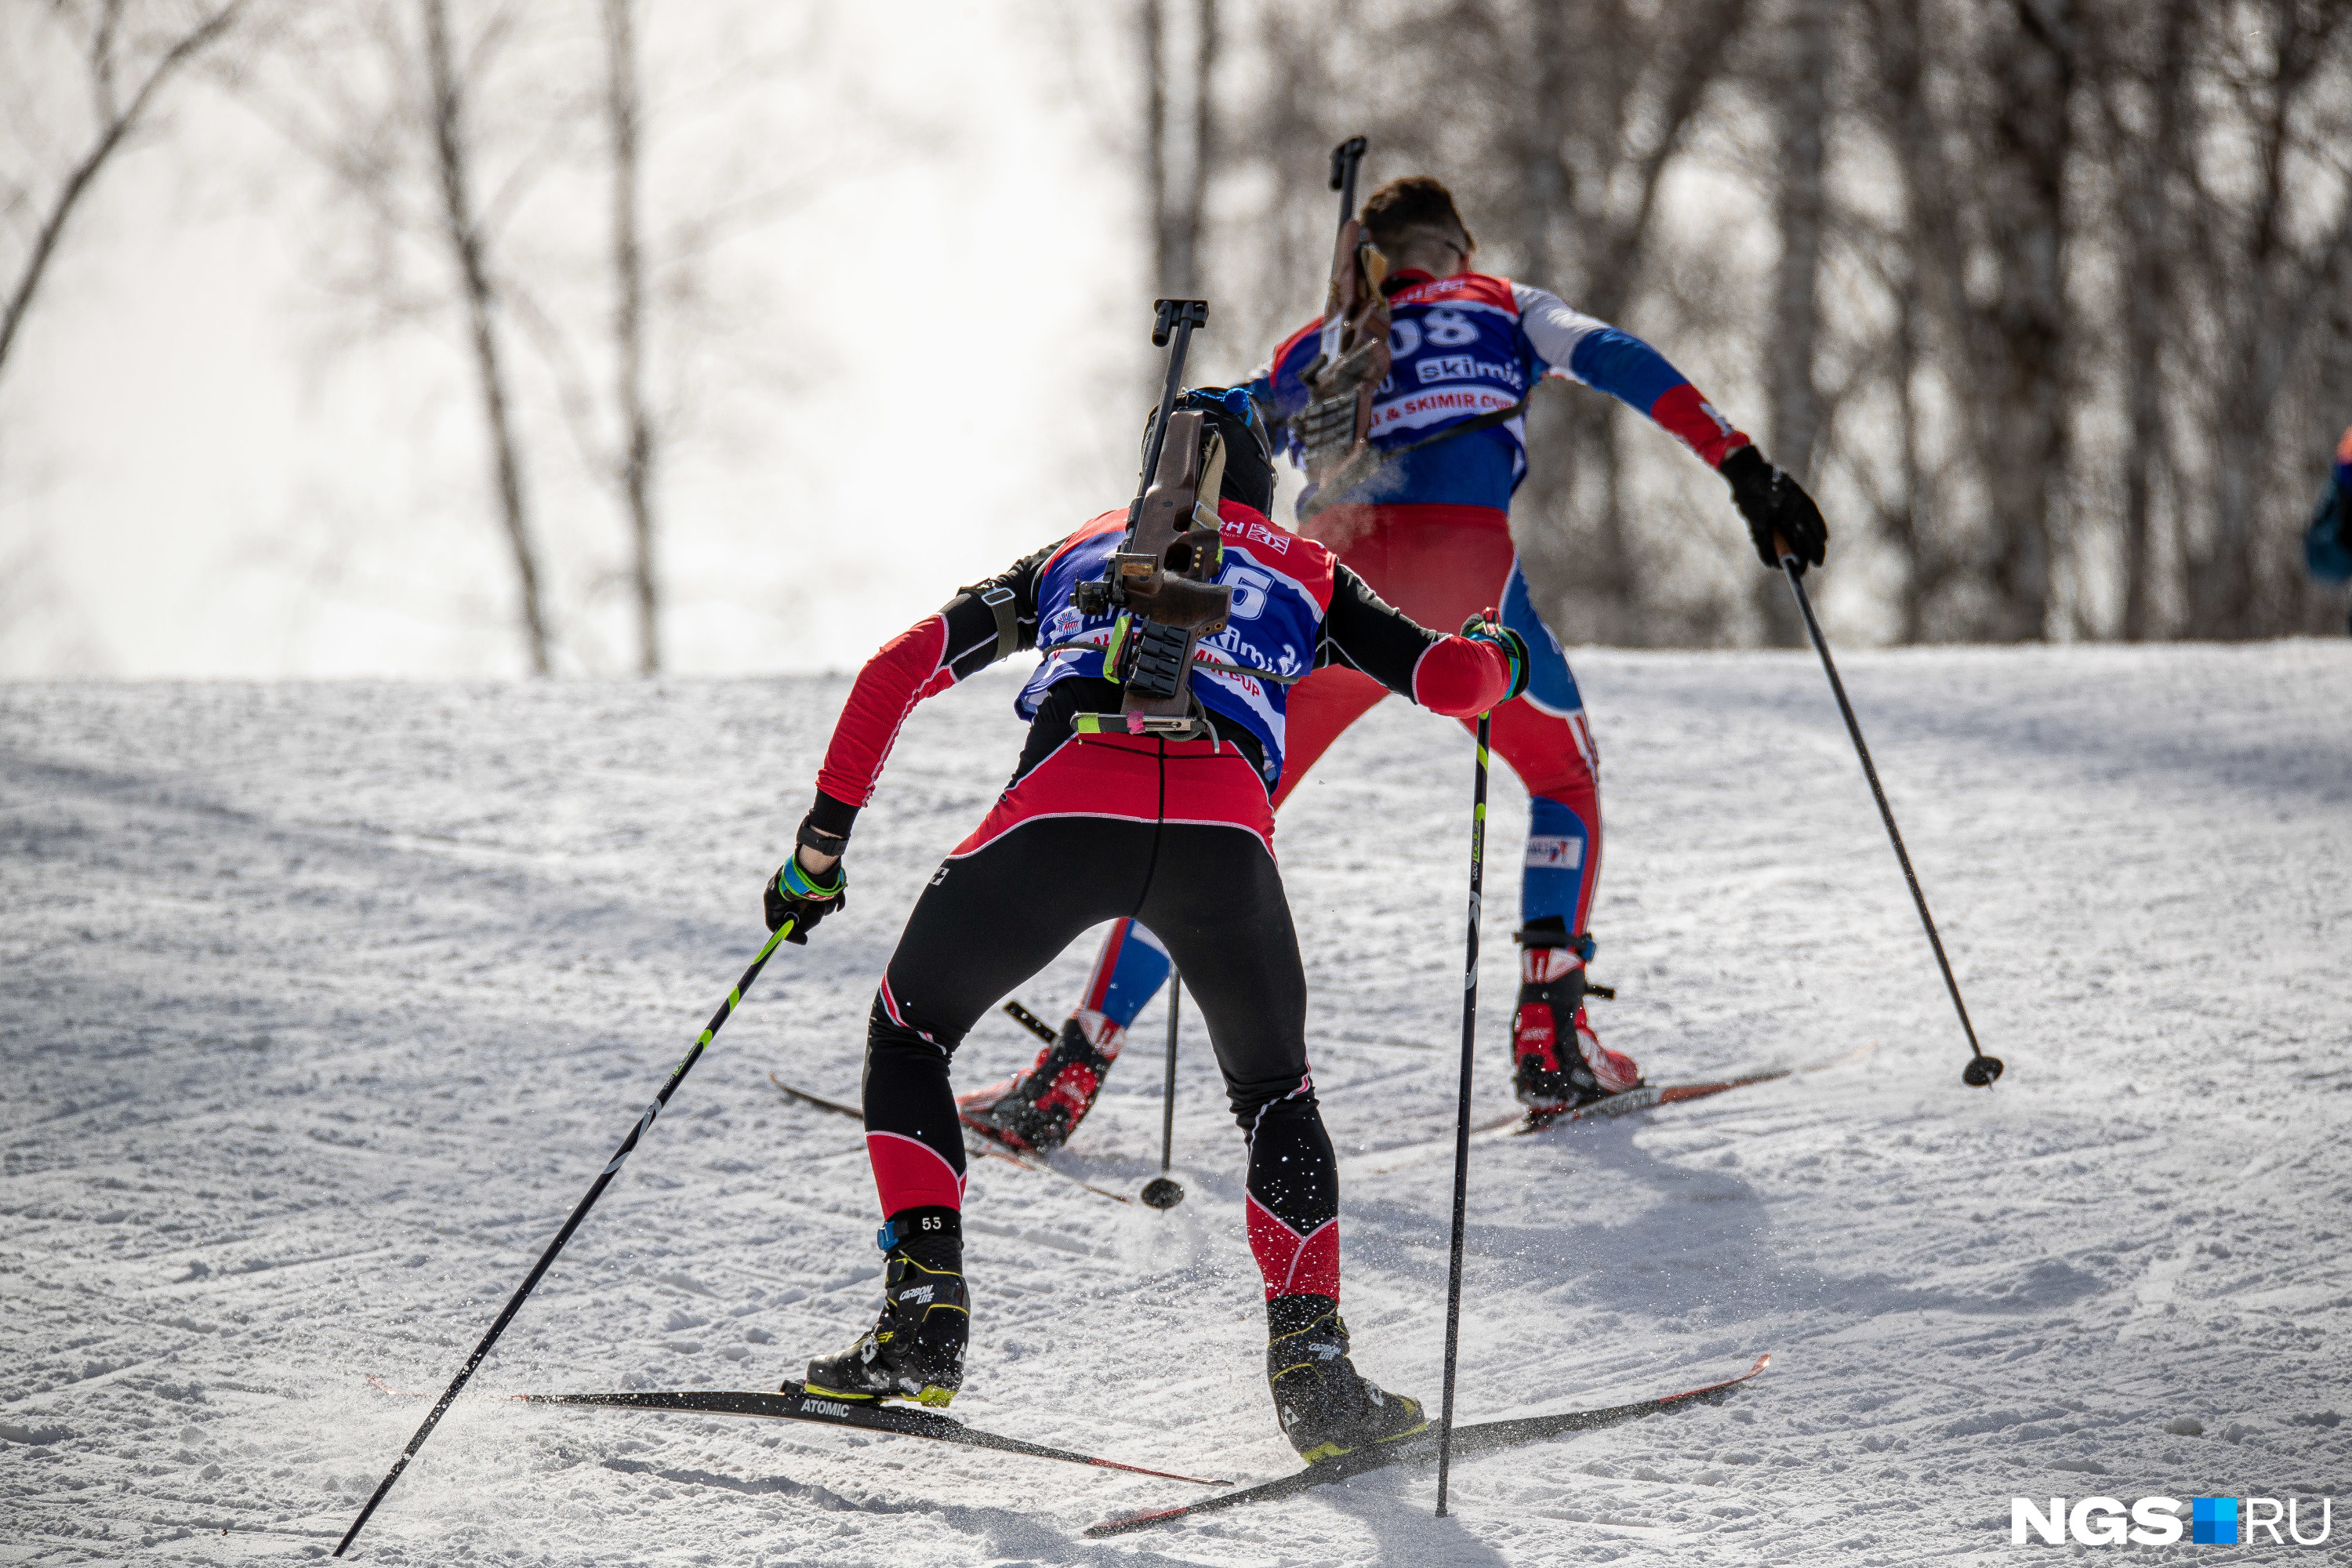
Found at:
<point>1415,201</point>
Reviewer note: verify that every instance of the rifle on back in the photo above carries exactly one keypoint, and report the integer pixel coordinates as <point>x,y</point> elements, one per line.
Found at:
<point>1162,579</point>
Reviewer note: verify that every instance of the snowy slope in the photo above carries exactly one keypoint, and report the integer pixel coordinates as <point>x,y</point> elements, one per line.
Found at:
<point>322,1003</point>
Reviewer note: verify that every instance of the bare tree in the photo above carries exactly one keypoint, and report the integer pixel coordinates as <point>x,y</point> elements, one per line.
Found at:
<point>2074,361</point>
<point>1176,188</point>
<point>2143,63</point>
<point>1612,93</point>
<point>2286,79</point>
<point>462,231</point>
<point>1988,235</point>
<point>622,120</point>
<point>1801,201</point>
<point>130,54</point>
<point>388,98</point>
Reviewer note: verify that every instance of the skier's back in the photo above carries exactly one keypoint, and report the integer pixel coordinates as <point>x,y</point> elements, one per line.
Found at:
<point>1096,825</point>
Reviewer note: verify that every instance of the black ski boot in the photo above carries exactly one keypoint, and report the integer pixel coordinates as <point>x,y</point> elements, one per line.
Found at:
<point>1037,1111</point>
<point>915,1350</point>
<point>1557,1061</point>
<point>1327,1407</point>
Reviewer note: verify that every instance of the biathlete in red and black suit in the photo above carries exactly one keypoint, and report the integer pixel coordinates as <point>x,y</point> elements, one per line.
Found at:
<point>1430,532</point>
<point>1095,828</point>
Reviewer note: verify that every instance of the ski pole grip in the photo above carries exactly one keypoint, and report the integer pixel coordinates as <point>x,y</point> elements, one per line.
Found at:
<point>1781,549</point>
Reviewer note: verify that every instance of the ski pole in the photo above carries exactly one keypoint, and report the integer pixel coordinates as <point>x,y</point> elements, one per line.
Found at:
<point>1163,1191</point>
<point>1982,1069</point>
<point>596,1190</point>
<point>1462,1111</point>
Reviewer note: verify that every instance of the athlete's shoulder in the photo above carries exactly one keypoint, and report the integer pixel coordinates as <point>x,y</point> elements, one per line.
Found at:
<point>1250,532</point>
<point>1480,289</point>
<point>1108,522</point>
<point>1244,525</point>
<point>1289,349</point>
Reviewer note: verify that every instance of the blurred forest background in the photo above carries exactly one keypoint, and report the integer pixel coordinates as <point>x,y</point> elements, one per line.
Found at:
<point>595,335</point>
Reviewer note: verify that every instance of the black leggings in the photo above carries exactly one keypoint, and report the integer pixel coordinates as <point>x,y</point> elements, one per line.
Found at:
<point>991,919</point>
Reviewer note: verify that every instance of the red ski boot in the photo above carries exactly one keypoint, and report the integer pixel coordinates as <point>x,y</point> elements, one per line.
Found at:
<point>1037,1111</point>
<point>1557,1062</point>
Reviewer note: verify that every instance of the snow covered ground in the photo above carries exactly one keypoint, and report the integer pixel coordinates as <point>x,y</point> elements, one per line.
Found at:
<point>322,1003</point>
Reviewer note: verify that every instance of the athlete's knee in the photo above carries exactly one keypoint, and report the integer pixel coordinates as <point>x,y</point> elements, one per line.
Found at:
<point>897,1026</point>
<point>1277,1102</point>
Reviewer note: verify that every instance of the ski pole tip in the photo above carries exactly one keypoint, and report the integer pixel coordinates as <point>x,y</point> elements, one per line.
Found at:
<point>1162,1192</point>
<point>1981,1071</point>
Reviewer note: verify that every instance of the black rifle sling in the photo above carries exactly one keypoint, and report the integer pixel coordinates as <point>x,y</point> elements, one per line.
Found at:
<point>1486,421</point>
<point>1001,602</point>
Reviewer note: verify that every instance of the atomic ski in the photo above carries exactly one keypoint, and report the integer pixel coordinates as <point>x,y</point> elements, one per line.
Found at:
<point>795,1402</point>
<point>974,1142</point>
<point>1423,1446</point>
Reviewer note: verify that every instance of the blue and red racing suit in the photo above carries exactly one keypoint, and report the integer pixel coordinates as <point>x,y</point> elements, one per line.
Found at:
<point>2328,540</point>
<point>1094,827</point>
<point>1431,533</point>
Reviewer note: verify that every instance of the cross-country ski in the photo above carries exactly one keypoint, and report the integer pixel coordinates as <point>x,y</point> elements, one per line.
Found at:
<point>793,1402</point>
<point>1390,1157</point>
<point>1303,743</point>
<point>1477,1439</point>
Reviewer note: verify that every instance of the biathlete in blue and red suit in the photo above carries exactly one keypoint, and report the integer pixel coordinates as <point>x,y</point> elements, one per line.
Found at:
<point>2328,538</point>
<point>1094,827</point>
<point>1430,532</point>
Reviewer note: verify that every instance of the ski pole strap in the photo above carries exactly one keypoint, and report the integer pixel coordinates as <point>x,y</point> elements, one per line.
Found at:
<point>793,880</point>
<point>819,839</point>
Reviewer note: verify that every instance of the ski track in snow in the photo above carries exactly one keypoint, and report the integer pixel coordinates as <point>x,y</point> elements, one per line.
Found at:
<point>323,1003</point>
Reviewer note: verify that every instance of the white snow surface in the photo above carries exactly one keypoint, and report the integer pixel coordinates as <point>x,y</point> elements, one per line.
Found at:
<point>322,1005</point>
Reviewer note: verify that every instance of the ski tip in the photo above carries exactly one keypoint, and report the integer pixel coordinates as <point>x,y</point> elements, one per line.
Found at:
<point>1131,1522</point>
<point>1757,1369</point>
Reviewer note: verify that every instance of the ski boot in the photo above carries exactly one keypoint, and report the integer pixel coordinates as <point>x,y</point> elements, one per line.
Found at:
<point>1327,1407</point>
<point>1557,1061</point>
<point>915,1350</point>
<point>1037,1111</point>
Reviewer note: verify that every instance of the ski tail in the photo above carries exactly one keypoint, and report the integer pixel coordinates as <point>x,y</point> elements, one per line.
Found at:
<point>795,1402</point>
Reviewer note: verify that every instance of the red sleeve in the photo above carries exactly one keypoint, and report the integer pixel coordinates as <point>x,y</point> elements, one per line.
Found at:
<point>1458,677</point>
<point>1691,419</point>
<point>912,666</point>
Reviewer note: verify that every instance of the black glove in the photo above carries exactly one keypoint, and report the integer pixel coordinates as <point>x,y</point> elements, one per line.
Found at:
<point>1478,629</point>
<point>1773,503</point>
<point>795,894</point>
